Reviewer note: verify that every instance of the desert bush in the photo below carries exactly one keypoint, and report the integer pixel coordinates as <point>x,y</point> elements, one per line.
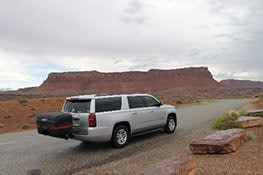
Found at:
<point>242,112</point>
<point>25,126</point>
<point>8,116</point>
<point>32,115</point>
<point>251,136</point>
<point>226,121</point>
<point>22,101</point>
<point>179,102</point>
<point>2,125</point>
<point>34,108</point>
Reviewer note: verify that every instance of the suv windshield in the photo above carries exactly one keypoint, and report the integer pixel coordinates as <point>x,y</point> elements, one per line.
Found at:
<point>77,106</point>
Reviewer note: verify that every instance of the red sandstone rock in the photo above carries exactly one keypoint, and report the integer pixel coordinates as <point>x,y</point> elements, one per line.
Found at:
<point>222,142</point>
<point>255,113</point>
<point>174,166</point>
<point>248,122</point>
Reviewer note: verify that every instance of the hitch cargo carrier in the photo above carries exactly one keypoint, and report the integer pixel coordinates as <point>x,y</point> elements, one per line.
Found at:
<point>55,124</point>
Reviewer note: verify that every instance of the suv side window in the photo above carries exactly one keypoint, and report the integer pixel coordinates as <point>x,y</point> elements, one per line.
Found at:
<point>150,101</point>
<point>108,104</point>
<point>136,102</point>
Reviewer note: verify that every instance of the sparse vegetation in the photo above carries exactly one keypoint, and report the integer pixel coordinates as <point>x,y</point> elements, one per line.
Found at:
<point>227,121</point>
<point>204,101</point>
<point>2,125</point>
<point>23,101</point>
<point>251,136</point>
<point>242,112</point>
<point>25,126</point>
<point>8,116</point>
<point>179,102</point>
<point>260,114</point>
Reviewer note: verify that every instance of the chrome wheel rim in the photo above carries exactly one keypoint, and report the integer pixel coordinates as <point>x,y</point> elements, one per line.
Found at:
<point>121,136</point>
<point>171,124</point>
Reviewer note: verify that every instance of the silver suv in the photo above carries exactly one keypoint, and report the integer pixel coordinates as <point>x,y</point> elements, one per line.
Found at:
<point>116,118</point>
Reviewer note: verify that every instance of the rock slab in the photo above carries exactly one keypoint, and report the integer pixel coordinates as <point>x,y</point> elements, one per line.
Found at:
<point>221,142</point>
<point>249,122</point>
<point>256,113</point>
<point>173,166</point>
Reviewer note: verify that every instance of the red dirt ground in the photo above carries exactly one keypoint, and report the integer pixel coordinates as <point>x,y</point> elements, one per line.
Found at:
<point>21,113</point>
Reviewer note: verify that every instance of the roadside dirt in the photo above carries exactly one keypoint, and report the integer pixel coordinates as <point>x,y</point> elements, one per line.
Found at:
<point>246,161</point>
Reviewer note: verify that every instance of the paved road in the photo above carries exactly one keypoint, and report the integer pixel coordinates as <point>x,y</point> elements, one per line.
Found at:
<point>28,153</point>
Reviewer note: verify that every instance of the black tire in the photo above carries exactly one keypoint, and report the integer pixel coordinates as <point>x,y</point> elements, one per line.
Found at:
<point>116,141</point>
<point>168,129</point>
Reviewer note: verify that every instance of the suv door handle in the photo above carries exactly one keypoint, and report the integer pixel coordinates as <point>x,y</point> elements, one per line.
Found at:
<point>151,111</point>
<point>134,113</point>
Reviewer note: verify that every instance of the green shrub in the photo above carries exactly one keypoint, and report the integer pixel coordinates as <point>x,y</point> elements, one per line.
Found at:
<point>259,114</point>
<point>242,112</point>
<point>251,136</point>
<point>226,121</point>
<point>25,126</point>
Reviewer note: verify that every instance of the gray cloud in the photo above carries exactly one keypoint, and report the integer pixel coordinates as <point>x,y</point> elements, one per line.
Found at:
<point>223,35</point>
<point>133,13</point>
<point>134,7</point>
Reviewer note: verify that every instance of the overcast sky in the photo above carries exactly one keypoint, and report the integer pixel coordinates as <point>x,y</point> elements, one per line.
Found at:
<point>42,36</point>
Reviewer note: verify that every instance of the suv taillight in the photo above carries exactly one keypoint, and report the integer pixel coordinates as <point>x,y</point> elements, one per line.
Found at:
<point>92,120</point>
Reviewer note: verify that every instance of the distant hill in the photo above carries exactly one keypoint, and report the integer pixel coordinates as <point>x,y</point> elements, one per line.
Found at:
<point>241,83</point>
<point>124,82</point>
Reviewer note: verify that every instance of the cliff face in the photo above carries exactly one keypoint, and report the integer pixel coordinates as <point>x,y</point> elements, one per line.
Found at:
<point>120,82</point>
<point>241,83</point>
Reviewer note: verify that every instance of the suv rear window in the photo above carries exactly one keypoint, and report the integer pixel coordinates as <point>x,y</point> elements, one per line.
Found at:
<point>77,106</point>
<point>108,104</point>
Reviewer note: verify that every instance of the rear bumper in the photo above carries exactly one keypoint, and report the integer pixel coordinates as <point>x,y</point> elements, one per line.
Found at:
<point>60,133</point>
<point>97,134</point>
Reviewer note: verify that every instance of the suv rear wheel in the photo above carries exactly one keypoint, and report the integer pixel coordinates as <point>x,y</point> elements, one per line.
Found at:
<point>120,136</point>
<point>171,124</point>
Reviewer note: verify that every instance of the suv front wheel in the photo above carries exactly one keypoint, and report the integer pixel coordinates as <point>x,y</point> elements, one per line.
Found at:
<point>120,136</point>
<point>171,124</point>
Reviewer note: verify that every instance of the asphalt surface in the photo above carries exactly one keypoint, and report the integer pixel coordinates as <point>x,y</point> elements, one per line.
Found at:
<point>28,153</point>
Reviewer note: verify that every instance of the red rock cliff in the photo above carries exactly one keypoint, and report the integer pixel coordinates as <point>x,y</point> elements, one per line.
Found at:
<point>241,83</point>
<point>135,81</point>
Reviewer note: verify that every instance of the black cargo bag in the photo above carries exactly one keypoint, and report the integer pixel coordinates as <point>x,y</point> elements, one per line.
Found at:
<point>55,124</point>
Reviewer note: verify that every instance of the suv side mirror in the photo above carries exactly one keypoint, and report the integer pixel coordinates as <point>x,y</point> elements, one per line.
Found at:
<point>159,104</point>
